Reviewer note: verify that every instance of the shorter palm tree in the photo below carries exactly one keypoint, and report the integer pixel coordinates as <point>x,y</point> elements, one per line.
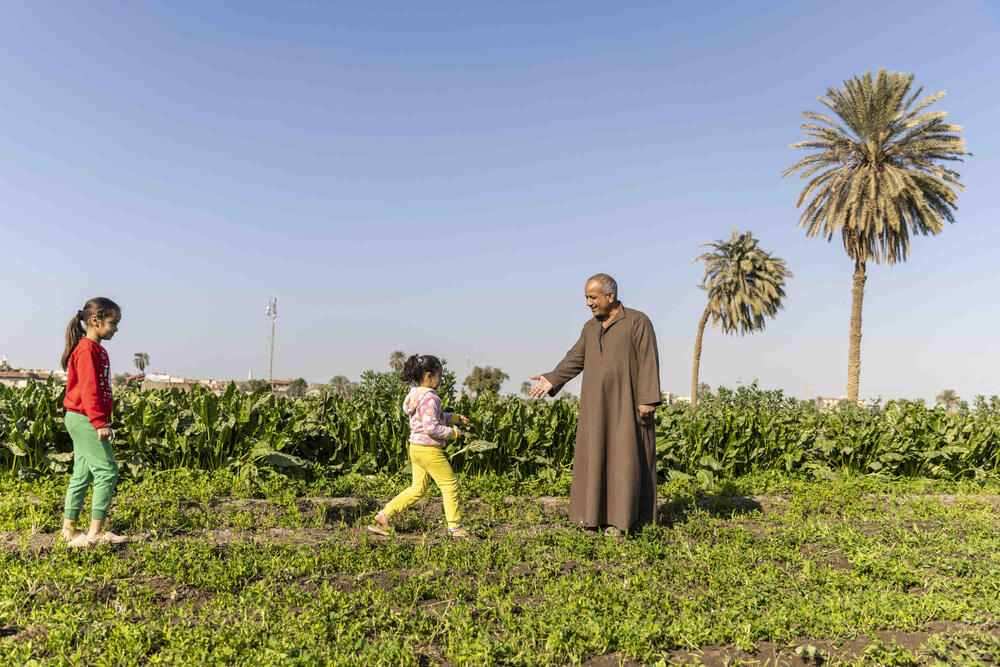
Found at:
<point>948,399</point>
<point>744,285</point>
<point>340,385</point>
<point>141,360</point>
<point>488,379</point>
<point>397,360</point>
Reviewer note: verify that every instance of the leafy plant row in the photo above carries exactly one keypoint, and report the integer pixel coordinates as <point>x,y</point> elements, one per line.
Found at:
<point>731,434</point>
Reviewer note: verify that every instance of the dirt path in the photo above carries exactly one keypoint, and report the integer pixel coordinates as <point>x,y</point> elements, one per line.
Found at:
<point>345,518</point>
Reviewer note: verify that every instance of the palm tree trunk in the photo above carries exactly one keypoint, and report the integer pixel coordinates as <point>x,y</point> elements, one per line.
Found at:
<point>697,359</point>
<point>854,350</point>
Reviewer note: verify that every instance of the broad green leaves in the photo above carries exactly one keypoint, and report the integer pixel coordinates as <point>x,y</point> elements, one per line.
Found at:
<point>732,433</point>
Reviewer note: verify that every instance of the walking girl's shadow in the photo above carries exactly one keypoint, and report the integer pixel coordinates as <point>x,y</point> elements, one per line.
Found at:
<point>723,504</point>
<point>347,511</point>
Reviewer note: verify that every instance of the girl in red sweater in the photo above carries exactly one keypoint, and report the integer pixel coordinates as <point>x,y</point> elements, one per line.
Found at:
<point>88,406</point>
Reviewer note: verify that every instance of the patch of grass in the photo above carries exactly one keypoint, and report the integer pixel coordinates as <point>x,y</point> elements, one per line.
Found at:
<point>271,574</point>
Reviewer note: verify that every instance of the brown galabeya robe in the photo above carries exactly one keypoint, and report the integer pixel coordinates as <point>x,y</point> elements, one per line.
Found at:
<point>614,465</point>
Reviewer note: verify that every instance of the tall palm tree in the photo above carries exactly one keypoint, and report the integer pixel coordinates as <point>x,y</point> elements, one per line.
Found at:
<point>948,399</point>
<point>397,360</point>
<point>141,360</point>
<point>744,284</point>
<point>876,177</point>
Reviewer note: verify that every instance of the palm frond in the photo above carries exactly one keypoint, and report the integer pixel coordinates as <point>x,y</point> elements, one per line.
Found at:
<point>874,176</point>
<point>743,283</point>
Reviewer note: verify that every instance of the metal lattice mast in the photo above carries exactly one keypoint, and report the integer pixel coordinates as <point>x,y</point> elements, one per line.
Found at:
<point>272,312</point>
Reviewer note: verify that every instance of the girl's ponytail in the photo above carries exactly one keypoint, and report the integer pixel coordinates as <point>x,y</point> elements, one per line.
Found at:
<point>74,332</point>
<point>99,306</point>
<point>419,365</point>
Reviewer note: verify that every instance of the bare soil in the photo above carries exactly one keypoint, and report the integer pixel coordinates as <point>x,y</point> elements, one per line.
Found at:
<point>771,654</point>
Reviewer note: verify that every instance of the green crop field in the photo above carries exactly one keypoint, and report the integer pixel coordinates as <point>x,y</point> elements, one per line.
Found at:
<point>732,434</point>
<point>785,536</point>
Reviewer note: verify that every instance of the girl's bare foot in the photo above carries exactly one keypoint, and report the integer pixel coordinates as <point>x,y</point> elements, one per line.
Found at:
<point>458,531</point>
<point>381,526</point>
<point>81,541</point>
<point>107,537</point>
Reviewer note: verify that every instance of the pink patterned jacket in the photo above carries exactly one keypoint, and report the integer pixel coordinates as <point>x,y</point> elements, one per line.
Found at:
<point>428,425</point>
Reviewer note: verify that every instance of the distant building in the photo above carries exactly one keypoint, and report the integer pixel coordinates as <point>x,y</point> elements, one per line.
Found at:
<point>673,399</point>
<point>11,376</point>
<point>165,378</point>
<point>167,381</point>
<point>280,386</point>
<point>19,378</point>
<point>831,404</point>
<point>182,386</point>
<point>215,386</point>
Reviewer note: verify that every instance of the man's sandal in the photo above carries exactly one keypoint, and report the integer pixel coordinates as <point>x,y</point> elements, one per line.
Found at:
<point>107,537</point>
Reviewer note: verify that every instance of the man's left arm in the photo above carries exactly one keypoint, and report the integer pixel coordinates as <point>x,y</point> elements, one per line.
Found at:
<point>648,358</point>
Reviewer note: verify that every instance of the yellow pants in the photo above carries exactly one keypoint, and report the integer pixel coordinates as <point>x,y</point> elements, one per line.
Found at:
<point>429,462</point>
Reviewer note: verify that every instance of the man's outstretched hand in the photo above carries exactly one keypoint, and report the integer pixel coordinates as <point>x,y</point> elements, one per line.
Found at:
<point>542,386</point>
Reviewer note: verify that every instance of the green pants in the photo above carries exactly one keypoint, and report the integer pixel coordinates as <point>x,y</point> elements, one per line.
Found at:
<point>93,461</point>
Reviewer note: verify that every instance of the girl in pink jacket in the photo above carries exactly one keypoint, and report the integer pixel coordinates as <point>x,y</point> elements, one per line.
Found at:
<point>430,428</point>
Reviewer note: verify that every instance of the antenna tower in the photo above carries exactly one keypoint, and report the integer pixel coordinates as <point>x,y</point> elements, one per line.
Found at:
<point>272,312</point>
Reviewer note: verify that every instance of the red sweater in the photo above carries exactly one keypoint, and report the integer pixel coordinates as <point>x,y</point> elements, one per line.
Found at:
<point>88,383</point>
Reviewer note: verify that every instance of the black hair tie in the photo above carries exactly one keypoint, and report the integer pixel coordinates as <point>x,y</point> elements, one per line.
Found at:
<point>79,314</point>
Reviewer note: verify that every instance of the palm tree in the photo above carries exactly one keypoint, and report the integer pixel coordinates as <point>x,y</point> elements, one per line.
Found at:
<point>340,385</point>
<point>948,399</point>
<point>876,177</point>
<point>744,284</point>
<point>141,360</point>
<point>397,360</point>
<point>487,378</point>
<point>525,388</point>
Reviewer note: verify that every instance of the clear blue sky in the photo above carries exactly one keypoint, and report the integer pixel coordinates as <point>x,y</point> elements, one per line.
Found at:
<point>442,179</point>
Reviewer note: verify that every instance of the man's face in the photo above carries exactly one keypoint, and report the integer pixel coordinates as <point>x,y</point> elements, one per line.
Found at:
<point>600,304</point>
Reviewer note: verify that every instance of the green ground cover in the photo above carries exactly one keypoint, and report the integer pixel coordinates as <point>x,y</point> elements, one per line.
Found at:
<point>763,569</point>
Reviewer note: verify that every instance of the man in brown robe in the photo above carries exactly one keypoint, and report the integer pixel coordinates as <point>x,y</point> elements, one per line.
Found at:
<point>614,464</point>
